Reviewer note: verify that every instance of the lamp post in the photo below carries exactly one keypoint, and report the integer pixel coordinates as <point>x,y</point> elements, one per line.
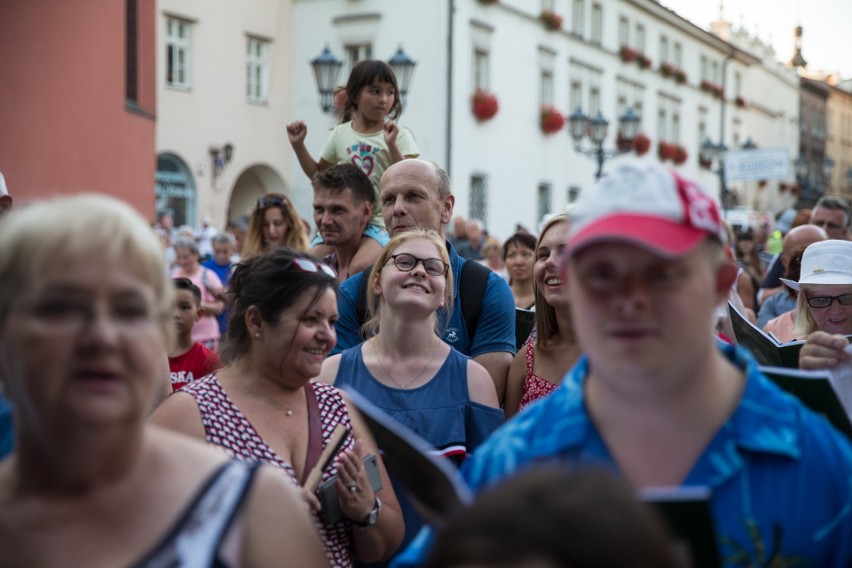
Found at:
<point>220,156</point>
<point>326,69</point>
<point>716,152</point>
<point>403,68</point>
<point>596,128</point>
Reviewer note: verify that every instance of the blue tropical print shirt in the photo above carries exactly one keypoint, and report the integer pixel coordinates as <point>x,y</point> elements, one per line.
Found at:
<point>781,475</point>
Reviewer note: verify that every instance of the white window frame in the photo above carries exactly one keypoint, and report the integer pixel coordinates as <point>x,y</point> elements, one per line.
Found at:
<point>546,87</point>
<point>623,31</point>
<point>640,38</point>
<point>678,55</point>
<point>664,49</point>
<point>596,33</point>
<point>178,46</point>
<point>355,53</point>
<point>578,14</point>
<point>481,71</point>
<point>257,70</point>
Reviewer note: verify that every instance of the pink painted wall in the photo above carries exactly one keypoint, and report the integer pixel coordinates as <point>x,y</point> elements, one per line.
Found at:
<point>64,125</point>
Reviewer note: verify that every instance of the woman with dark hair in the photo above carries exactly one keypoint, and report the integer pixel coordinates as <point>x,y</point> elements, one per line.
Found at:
<point>519,252</point>
<point>274,223</point>
<point>405,368</point>
<point>263,405</point>
<point>539,366</point>
<point>367,136</point>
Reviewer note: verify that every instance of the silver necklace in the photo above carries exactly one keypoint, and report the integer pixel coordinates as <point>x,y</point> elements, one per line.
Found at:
<point>288,410</point>
<point>417,378</point>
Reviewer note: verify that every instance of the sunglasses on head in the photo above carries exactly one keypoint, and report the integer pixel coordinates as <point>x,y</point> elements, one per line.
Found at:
<point>271,200</point>
<point>308,265</point>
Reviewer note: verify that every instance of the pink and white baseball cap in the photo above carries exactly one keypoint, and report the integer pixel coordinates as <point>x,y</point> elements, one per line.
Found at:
<point>644,204</point>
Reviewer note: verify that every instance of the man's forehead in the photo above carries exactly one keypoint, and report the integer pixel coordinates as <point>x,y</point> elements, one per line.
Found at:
<point>333,196</point>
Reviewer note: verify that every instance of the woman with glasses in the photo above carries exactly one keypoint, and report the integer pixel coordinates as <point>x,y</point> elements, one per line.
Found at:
<point>405,368</point>
<point>274,223</point>
<point>263,405</point>
<point>85,325</point>
<point>824,305</point>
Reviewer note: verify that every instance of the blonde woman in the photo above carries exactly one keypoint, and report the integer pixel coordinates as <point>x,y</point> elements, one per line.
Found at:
<point>84,328</point>
<point>405,368</point>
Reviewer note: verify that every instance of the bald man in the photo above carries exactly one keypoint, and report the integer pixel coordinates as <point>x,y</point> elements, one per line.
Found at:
<point>774,303</point>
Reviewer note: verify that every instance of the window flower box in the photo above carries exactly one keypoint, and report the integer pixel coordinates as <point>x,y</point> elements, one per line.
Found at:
<point>680,76</point>
<point>711,88</point>
<point>643,60</point>
<point>680,155</point>
<point>551,20</point>
<point>484,105</point>
<point>740,101</point>
<point>667,69</point>
<point>627,53</point>
<point>666,150</point>
<point>551,120</point>
<point>641,144</point>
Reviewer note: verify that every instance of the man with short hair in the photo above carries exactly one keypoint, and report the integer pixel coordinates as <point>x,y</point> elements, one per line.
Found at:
<point>343,203</point>
<point>472,247</point>
<point>223,246</point>
<point>776,303</point>
<point>655,400</point>
<point>416,193</point>
<point>832,214</point>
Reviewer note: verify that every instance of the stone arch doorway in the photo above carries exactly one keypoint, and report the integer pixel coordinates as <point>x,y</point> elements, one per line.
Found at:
<point>176,191</point>
<point>251,184</point>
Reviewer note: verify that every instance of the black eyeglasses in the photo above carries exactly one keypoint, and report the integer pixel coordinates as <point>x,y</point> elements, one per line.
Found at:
<point>308,265</point>
<point>826,301</point>
<point>406,263</point>
<point>270,200</point>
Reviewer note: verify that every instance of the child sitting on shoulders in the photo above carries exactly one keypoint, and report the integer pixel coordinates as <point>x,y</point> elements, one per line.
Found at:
<point>188,360</point>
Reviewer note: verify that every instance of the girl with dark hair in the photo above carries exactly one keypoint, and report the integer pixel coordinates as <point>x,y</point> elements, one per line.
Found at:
<point>539,366</point>
<point>371,140</point>
<point>263,405</point>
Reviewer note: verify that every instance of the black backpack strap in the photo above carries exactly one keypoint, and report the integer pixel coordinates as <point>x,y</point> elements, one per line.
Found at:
<point>361,302</point>
<point>474,277</point>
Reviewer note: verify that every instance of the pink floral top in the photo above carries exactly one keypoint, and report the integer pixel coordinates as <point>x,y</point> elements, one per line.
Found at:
<point>535,387</point>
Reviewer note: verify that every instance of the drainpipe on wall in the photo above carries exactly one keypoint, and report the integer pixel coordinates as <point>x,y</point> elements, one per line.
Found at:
<point>723,188</point>
<point>451,8</point>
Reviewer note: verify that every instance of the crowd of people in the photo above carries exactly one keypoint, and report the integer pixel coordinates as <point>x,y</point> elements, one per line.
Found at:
<point>169,344</point>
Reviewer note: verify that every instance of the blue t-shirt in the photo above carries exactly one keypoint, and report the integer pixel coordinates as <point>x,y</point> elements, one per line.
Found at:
<point>7,434</point>
<point>440,411</point>
<point>224,274</point>
<point>780,475</point>
<point>495,331</point>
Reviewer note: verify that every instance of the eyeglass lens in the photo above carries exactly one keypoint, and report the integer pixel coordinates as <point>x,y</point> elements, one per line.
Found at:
<point>406,262</point>
<point>826,301</point>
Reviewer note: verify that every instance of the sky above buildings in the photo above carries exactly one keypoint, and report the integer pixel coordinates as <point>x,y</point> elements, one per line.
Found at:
<point>826,45</point>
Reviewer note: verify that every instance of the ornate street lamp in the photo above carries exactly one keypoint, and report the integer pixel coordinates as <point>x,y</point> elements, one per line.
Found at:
<point>581,125</point>
<point>403,68</point>
<point>326,69</point>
